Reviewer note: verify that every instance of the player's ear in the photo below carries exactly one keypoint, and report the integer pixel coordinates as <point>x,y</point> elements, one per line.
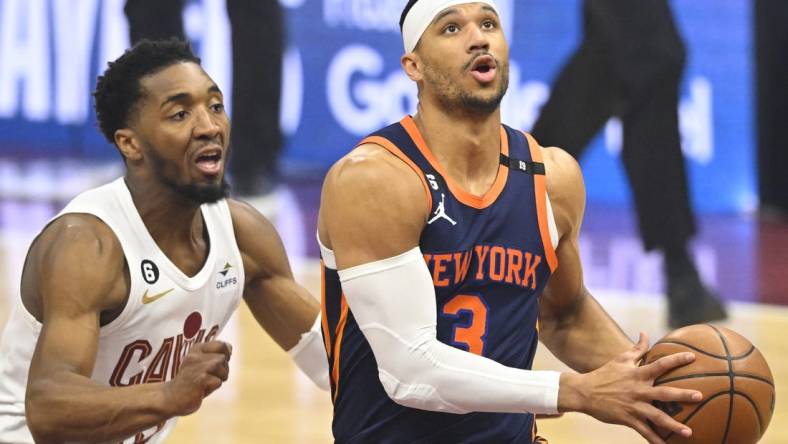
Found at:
<point>411,63</point>
<point>128,144</point>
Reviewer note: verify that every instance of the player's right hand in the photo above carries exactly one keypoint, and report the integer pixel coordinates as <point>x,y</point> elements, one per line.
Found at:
<point>621,392</point>
<point>204,369</point>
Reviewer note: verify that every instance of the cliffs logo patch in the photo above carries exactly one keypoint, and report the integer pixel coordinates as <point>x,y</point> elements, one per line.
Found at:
<point>228,278</point>
<point>150,272</point>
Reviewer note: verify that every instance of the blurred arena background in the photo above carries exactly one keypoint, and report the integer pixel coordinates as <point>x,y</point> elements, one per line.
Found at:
<point>341,80</point>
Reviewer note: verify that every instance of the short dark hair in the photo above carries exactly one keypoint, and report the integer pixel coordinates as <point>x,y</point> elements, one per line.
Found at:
<point>118,90</point>
<point>405,12</point>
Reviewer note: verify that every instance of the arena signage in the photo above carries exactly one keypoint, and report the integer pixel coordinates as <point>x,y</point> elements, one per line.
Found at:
<point>342,80</point>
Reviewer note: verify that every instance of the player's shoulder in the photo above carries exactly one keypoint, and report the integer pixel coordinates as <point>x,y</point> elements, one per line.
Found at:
<point>559,164</point>
<point>79,232</point>
<point>373,170</point>
<point>248,222</point>
<point>375,190</point>
<point>562,172</point>
<point>565,187</point>
<point>77,254</point>
<point>369,164</point>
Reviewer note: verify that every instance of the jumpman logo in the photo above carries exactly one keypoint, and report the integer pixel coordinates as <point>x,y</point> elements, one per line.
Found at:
<point>440,212</point>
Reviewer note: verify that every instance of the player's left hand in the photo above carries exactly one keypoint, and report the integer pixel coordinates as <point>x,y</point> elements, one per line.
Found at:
<point>622,392</point>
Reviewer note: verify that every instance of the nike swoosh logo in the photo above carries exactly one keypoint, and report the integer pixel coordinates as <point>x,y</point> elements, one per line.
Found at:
<point>154,297</point>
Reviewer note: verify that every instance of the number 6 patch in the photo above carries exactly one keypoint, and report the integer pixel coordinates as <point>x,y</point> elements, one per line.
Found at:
<point>150,272</point>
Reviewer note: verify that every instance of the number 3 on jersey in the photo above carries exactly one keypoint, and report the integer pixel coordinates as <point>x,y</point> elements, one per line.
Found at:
<point>474,332</point>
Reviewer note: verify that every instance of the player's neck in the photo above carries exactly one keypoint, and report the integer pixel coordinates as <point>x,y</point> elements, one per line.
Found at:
<point>468,147</point>
<point>169,217</point>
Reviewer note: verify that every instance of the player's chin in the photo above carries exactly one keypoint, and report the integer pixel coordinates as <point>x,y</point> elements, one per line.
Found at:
<point>200,178</point>
<point>207,192</point>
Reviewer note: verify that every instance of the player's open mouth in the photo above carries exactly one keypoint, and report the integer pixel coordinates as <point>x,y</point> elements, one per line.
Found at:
<point>484,69</point>
<point>209,161</point>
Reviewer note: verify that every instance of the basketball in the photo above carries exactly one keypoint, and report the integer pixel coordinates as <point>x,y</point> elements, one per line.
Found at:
<point>737,386</point>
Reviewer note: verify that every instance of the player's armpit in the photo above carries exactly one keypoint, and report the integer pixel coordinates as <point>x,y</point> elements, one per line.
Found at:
<point>74,271</point>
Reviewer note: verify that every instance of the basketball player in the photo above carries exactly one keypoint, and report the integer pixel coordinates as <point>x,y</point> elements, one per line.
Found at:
<point>438,236</point>
<point>125,292</point>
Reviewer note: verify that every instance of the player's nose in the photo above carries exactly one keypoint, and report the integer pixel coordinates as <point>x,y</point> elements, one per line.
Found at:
<point>477,39</point>
<point>206,125</point>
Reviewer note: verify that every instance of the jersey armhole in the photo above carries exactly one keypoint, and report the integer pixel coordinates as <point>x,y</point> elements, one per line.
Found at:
<point>390,147</point>
<point>542,208</point>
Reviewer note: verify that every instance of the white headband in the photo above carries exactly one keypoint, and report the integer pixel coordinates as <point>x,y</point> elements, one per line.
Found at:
<point>423,13</point>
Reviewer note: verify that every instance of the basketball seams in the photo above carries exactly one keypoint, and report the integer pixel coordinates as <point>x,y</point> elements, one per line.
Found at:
<point>704,352</point>
<point>684,344</point>
<point>735,358</point>
<point>698,409</point>
<point>732,388</point>
<point>755,407</point>
<point>718,366</point>
<point>717,374</point>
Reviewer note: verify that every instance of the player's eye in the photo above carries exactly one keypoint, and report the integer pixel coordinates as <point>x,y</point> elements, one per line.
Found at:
<point>489,24</point>
<point>217,107</point>
<point>451,29</point>
<point>180,115</point>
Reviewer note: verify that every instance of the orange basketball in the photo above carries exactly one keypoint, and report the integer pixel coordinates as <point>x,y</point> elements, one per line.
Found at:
<point>737,386</point>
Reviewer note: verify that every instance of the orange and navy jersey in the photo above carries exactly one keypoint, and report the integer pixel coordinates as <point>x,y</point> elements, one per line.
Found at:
<point>490,257</point>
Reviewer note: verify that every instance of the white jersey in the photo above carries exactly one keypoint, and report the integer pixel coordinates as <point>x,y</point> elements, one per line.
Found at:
<point>166,313</point>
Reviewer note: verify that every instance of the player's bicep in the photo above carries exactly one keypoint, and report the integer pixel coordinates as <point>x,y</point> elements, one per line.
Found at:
<point>565,290</point>
<point>75,272</point>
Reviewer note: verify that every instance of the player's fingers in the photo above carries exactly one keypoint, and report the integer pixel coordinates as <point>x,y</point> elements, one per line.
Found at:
<point>219,367</point>
<point>210,384</point>
<point>647,432</point>
<point>217,347</point>
<point>642,341</point>
<point>662,365</point>
<point>638,350</point>
<point>674,394</point>
<point>664,421</point>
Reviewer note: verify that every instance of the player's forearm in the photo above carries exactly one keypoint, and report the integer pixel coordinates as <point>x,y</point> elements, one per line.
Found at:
<point>586,339</point>
<point>430,375</point>
<point>284,309</point>
<point>393,303</point>
<point>69,407</point>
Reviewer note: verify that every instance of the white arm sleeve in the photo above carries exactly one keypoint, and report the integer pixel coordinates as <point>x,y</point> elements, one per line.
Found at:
<point>393,301</point>
<point>310,356</point>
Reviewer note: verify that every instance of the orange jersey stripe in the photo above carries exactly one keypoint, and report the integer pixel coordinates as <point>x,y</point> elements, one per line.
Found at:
<point>541,205</point>
<point>338,344</point>
<point>478,202</point>
<point>323,313</point>
<point>390,147</point>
